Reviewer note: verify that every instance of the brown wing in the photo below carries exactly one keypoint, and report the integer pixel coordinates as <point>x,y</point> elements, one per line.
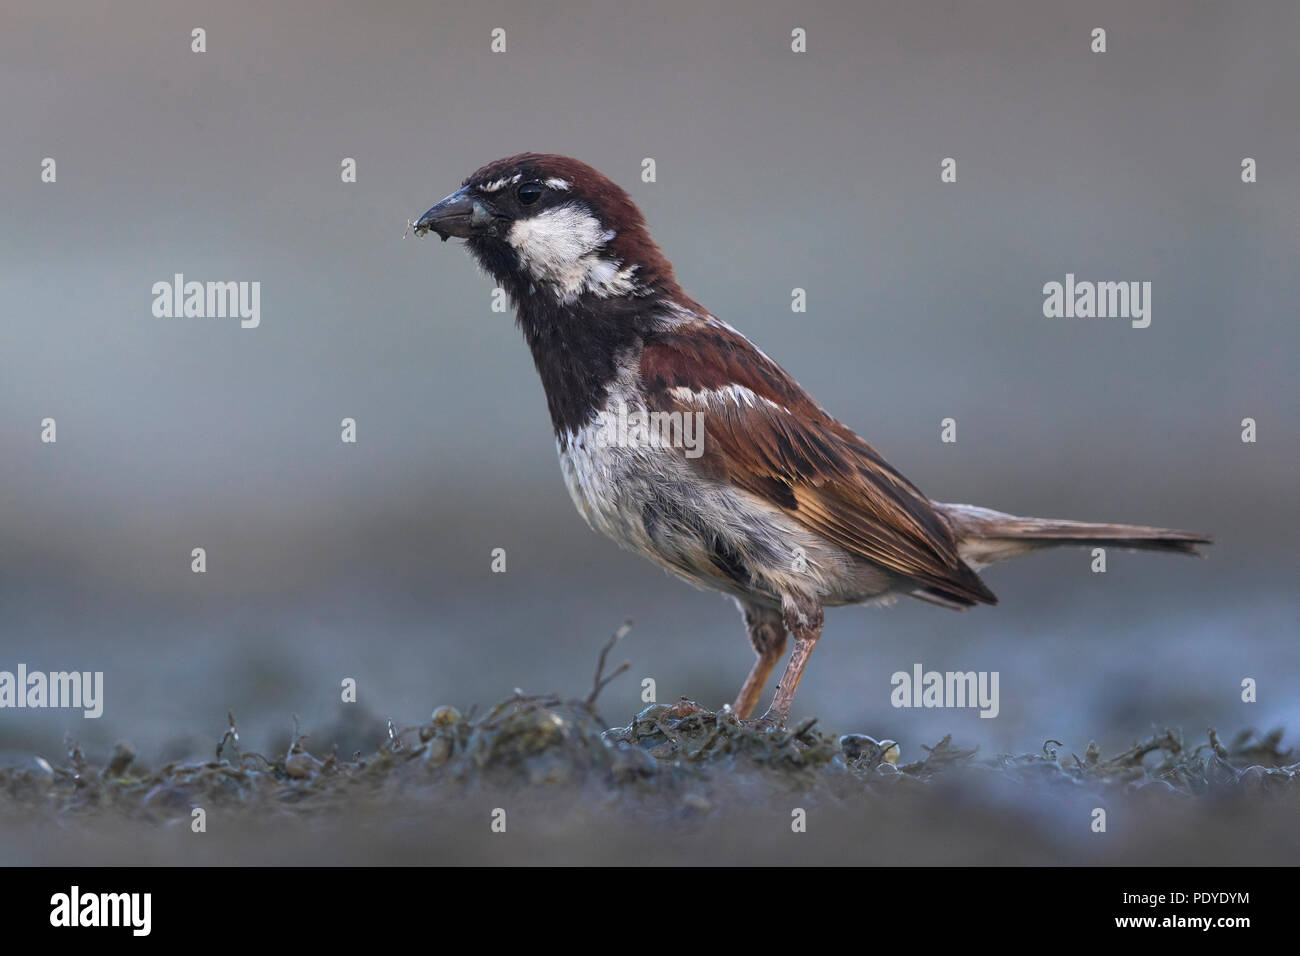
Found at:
<point>790,452</point>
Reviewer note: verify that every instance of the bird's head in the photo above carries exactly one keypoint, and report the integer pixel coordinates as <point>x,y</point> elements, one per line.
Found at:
<point>547,225</point>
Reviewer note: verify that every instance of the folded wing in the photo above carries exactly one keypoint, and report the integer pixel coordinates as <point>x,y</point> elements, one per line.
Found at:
<point>764,434</point>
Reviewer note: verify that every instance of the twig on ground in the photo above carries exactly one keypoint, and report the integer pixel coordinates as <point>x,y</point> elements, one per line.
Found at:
<point>601,678</point>
<point>231,735</point>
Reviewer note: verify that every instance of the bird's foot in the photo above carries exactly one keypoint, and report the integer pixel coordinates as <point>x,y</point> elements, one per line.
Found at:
<point>768,723</point>
<point>729,714</point>
<point>684,707</point>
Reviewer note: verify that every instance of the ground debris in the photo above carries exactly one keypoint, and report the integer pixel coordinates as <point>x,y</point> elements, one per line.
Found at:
<point>675,754</point>
<point>679,760</point>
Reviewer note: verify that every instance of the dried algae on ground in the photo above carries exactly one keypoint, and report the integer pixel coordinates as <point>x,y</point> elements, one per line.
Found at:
<point>667,760</point>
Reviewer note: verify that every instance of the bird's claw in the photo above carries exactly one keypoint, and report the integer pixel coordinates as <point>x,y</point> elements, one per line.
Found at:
<point>767,724</point>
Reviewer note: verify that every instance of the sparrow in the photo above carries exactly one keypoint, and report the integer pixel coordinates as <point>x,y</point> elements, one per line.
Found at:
<point>779,505</point>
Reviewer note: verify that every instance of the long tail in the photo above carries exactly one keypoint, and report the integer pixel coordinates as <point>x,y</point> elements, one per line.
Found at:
<point>984,536</point>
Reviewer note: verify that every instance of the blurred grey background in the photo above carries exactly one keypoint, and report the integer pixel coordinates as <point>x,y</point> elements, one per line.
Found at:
<point>775,170</point>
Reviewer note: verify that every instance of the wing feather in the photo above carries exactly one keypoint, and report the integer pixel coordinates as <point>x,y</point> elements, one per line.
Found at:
<point>765,434</point>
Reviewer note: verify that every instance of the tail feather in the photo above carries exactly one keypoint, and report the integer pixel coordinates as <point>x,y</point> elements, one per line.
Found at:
<point>985,536</point>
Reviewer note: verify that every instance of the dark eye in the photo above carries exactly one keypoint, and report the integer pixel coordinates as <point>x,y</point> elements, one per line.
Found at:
<point>529,193</point>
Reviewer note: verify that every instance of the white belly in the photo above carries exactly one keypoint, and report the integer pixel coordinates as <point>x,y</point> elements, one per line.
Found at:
<point>652,500</point>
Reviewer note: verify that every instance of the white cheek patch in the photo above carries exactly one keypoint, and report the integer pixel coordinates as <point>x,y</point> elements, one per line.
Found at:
<point>561,247</point>
<point>552,241</point>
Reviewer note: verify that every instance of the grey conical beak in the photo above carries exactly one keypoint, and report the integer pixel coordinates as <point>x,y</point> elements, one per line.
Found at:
<point>461,215</point>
